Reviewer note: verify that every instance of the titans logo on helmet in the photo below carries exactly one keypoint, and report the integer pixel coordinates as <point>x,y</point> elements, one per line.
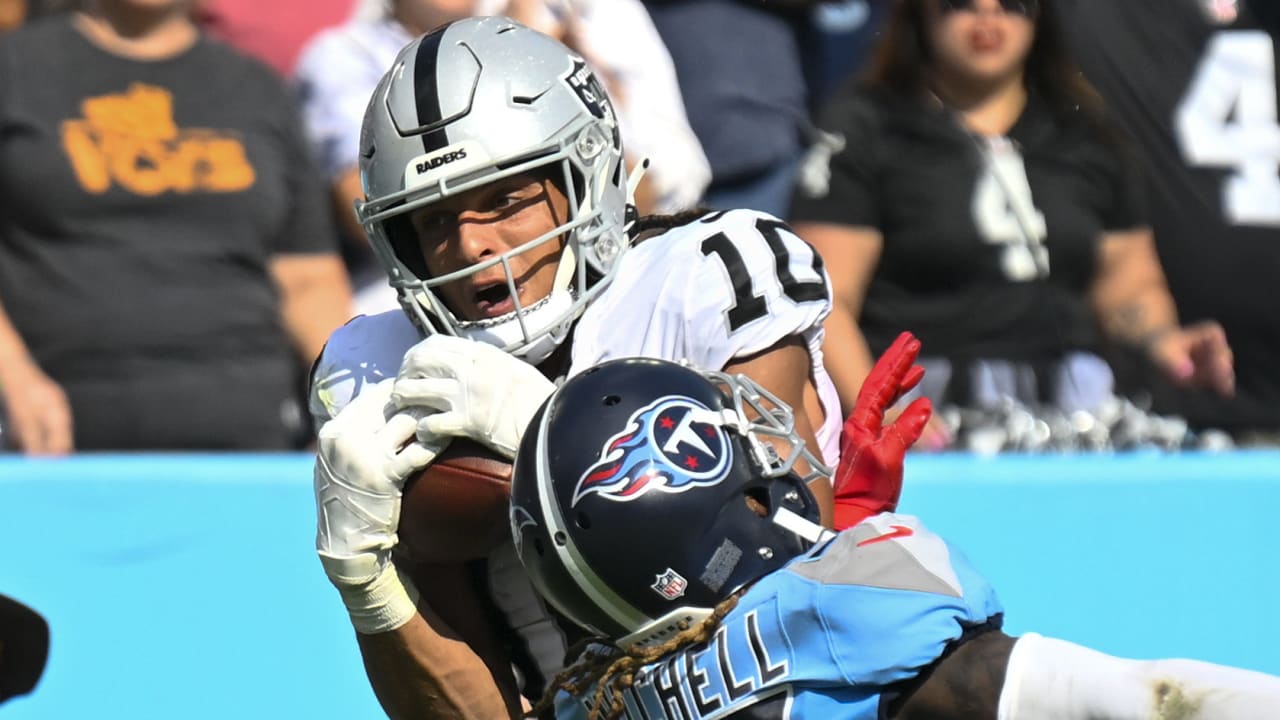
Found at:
<point>673,444</point>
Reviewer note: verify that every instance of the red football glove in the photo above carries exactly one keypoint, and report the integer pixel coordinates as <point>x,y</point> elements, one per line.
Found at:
<point>869,478</point>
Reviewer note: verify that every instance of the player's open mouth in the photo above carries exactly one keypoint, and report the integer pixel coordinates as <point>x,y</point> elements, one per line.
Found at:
<point>494,300</point>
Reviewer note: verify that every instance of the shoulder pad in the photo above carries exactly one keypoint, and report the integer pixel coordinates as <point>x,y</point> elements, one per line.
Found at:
<point>367,349</point>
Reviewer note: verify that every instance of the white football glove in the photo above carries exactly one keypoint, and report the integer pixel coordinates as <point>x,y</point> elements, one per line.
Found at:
<point>477,391</point>
<point>363,457</point>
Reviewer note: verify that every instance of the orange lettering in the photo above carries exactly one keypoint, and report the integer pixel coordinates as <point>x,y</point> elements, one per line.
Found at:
<point>131,138</point>
<point>228,169</point>
<point>184,166</point>
<point>87,158</point>
<point>138,164</point>
<point>144,111</point>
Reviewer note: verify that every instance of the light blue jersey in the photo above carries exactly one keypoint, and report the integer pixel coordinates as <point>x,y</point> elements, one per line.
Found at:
<point>824,637</point>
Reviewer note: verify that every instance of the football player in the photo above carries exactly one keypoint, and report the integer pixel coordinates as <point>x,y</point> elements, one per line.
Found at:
<point>738,603</point>
<point>496,199</point>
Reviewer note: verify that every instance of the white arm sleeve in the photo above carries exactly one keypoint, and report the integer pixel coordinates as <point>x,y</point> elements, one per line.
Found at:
<point>1050,679</point>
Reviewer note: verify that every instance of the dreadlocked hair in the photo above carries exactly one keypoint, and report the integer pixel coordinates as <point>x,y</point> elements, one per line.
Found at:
<point>611,670</point>
<point>647,226</point>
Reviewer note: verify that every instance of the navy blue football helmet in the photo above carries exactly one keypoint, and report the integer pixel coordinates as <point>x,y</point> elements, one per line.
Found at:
<point>644,494</point>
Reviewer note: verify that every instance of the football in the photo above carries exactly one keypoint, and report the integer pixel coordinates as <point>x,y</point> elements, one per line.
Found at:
<point>455,509</point>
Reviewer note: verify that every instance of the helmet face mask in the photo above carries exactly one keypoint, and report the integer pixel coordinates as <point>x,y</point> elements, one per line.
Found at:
<point>475,102</point>
<point>644,494</point>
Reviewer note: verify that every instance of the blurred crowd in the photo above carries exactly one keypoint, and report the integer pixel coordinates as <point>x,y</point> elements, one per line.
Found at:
<point>1077,211</point>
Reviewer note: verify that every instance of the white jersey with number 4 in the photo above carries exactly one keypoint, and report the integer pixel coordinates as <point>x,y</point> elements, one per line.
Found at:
<point>722,287</point>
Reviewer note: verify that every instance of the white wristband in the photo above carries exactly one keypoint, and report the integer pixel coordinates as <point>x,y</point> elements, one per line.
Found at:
<point>381,604</point>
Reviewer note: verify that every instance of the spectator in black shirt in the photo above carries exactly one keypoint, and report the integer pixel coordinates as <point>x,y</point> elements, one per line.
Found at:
<point>970,190</point>
<point>168,263</point>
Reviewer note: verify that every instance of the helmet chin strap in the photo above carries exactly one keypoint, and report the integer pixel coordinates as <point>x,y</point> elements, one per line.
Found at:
<point>784,518</point>
<point>539,319</point>
<point>633,179</point>
<point>805,528</point>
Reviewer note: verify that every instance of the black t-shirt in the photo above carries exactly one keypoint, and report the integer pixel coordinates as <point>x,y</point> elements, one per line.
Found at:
<point>967,223</point>
<point>143,200</point>
<point>140,206</point>
<point>1200,100</point>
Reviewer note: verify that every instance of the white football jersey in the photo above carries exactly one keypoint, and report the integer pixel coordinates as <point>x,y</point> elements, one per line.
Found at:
<point>725,286</point>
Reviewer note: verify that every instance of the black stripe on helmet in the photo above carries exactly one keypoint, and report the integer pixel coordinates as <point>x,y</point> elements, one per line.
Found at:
<point>426,90</point>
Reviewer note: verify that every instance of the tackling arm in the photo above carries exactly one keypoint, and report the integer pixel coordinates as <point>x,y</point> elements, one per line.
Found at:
<point>1053,679</point>
<point>963,683</point>
<point>1037,678</point>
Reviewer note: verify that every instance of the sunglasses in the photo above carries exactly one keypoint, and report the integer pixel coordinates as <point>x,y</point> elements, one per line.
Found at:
<point>1026,8</point>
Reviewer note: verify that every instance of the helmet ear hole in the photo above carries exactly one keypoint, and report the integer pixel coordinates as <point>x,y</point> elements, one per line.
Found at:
<point>757,499</point>
<point>583,520</point>
<point>610,400</point>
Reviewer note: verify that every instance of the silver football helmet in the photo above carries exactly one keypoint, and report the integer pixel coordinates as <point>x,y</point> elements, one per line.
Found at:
<point>470,103</point>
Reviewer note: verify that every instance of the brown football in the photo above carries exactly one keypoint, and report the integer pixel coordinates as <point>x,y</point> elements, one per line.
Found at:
<point>455,509</point>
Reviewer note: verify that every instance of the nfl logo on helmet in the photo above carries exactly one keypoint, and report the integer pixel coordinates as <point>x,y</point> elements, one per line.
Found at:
<point>670,584</point>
